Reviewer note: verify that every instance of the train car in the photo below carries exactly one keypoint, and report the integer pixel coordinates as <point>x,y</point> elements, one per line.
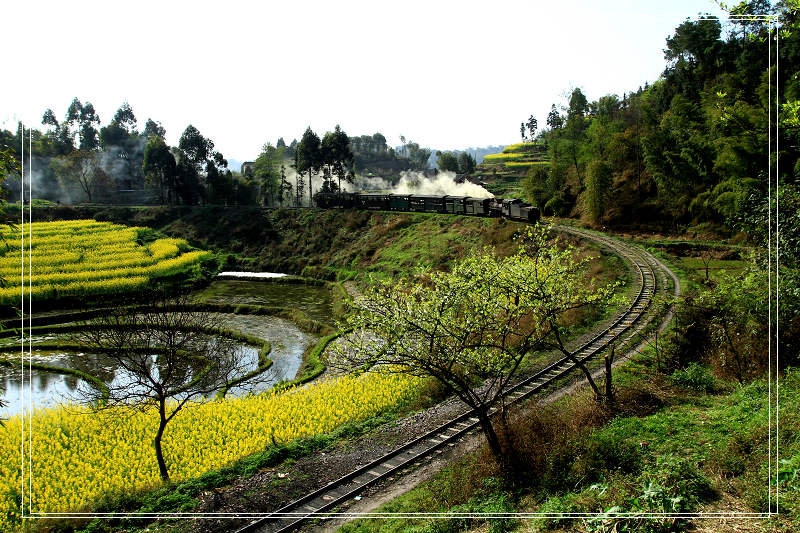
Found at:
<point>454,205</point>
<point>476,206</point>
<point>530,214</point>
<point>377,201</point>
<point>426,203</point>
<point>511,207</point>
<point>496,207</point>
<point>399,202</point>
<point>326,200</point>
<point>331,200</point>
<point>516,209</point>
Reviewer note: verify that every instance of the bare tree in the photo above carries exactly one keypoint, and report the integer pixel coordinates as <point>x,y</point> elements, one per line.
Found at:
<point>79,168</point>
<point>168,356</point>
<point>706,256</point>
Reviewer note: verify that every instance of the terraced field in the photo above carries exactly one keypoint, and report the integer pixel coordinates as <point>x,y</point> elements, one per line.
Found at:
<point>85,257</point>
<point>504,171</point>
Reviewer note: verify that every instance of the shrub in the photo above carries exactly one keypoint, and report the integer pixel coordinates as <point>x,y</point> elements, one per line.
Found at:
<point>695,377</point>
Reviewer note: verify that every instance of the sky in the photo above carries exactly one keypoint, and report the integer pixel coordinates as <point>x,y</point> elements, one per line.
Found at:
<point>445,74</point>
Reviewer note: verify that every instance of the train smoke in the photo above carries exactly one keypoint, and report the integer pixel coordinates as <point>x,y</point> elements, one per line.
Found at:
<point>442,184</point>
<point>412,182</point>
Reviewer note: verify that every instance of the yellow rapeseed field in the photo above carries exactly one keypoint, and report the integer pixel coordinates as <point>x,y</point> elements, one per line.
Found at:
<point>84,257</point>
<point>519,147</point>
<point>77,455</point>
<point>498,158</point>
<point>515,164</point>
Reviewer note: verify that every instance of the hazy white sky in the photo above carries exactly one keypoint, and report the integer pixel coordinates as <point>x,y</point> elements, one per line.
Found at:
<point>446,74</point>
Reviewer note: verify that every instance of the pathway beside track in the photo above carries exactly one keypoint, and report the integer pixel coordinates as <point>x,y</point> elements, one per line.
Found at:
<point>651,277</point>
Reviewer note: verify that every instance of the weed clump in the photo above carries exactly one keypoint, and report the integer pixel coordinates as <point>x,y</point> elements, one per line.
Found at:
<point>695,377</point>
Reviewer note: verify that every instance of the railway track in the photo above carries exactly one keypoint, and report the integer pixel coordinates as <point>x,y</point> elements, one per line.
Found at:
<point>650,278</point>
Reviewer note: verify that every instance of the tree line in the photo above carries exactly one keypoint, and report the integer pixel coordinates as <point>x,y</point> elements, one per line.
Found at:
<point>691,147</point>
<point>78,160</point>
<point>458,162</point>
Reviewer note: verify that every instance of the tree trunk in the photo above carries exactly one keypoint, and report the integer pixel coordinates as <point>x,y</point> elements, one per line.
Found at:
<point>491,436</point>
<point>162,466</point>
<point>310,190</point>
<point>577,362</point>
<point>736,358</point>
<point>577,168</point>
<point>609,390</point>
<point>588,375</point>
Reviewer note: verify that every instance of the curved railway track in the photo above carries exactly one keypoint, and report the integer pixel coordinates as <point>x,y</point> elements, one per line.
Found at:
<point>650,277</point>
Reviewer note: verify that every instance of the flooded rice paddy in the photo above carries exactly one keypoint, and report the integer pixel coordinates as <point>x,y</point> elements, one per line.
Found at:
<point>38,388</point>
<point>313,300</point>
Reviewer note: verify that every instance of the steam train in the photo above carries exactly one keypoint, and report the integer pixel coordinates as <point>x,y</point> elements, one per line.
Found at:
<point>510,208</point>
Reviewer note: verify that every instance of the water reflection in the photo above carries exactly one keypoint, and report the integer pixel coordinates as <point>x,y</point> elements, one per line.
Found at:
<point>47,389</point>
<point>314,300</point>
<point>25,387</point>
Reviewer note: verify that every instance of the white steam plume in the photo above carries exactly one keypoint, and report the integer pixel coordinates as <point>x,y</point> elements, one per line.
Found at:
<point>441,184</point>
<point>412,182</point>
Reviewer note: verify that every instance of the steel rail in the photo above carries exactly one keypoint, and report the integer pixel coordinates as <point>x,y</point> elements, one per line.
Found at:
<point>321,501</point>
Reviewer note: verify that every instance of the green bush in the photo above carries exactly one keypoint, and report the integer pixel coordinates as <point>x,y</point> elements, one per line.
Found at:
<point>695,377</point>
<point>669,486</point>
<point>678,478</point>
<point>498,503</point>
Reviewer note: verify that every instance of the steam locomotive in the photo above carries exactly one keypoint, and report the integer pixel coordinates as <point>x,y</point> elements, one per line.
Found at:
<point>510,208</point>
